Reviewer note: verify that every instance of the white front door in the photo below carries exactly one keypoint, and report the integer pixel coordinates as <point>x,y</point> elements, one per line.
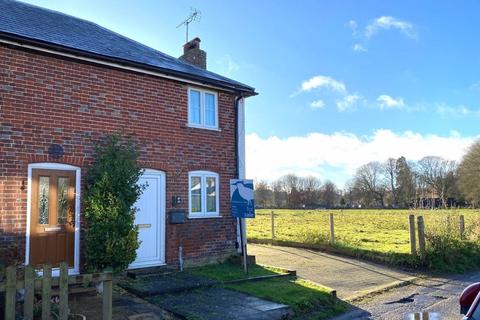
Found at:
<point>150,219</point>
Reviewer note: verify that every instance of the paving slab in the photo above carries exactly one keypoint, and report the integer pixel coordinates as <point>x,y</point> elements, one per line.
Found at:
<point>350,277</point>
<point>220,304</point>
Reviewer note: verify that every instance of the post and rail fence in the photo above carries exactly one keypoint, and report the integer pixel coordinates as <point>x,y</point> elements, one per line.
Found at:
<point>416,231</point>
<point>42,286</point>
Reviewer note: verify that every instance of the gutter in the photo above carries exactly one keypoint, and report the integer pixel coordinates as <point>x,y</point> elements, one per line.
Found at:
<point>58,50</point>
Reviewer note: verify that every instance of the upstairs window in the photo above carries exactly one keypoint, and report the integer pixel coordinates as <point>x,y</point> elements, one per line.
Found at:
<point>202,109</point>
<point>203,194</point>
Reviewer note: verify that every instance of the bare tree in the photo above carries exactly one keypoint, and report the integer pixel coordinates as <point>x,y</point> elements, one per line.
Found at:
<point>370,184</point>
<point>329,194</point>
<point>438,175</point>
<point>263,194</point>
<point>390,175</point>
<point>311,189</point>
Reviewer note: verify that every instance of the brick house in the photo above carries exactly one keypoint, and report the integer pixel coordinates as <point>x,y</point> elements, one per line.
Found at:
<point>65,83</point>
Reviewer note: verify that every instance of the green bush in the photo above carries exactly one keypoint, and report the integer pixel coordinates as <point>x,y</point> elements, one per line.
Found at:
<point>446,251</point>
<point>111,192</point>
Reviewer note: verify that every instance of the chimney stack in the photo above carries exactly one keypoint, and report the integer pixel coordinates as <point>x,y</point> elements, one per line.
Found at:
<point>193,54</point>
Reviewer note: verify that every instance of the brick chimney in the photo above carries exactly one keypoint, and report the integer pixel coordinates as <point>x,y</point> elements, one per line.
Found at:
<point>193,54</point>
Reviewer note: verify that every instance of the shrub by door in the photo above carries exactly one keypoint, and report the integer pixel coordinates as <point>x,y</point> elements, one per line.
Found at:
<point>52,221</point>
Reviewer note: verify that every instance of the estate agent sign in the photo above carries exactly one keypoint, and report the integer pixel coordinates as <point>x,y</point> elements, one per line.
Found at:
<point>242,198</point>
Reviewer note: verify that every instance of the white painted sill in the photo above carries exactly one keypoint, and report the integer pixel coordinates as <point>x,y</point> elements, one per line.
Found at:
<point>188,125</point>
<point>205,216</point>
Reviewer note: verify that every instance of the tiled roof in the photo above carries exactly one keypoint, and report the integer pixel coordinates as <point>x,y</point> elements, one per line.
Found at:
<point>29,22</point>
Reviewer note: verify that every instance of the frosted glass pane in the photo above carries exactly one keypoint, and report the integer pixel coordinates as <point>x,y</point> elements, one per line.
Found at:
<point>62,200</point>
<point>43,190</point>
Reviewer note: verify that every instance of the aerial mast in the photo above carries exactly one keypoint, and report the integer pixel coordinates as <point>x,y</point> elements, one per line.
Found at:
<point>195,15</point>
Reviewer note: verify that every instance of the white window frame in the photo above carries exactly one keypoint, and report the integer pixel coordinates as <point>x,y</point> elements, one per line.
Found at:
<point>202,123</point>
<point>203,175</point>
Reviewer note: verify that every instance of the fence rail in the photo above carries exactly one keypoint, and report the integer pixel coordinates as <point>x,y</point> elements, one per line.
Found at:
<point>44,285</point>
<point>415,224</point>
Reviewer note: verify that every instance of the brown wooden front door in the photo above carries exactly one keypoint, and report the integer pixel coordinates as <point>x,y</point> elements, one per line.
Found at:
<point>52,225</point>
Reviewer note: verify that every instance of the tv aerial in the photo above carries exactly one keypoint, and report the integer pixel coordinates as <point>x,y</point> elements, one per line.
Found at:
<point>195,15</point>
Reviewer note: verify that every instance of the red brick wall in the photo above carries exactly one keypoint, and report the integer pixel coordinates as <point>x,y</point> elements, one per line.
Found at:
<point>45,100</point>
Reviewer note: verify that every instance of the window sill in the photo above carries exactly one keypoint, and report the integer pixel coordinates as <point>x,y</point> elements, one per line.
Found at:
<point>202,127</point>
<point>204,216</point>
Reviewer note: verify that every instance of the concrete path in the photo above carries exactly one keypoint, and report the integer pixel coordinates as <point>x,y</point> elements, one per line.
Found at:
<point>220,304</point>
<point>350,277</point>
<point>192,297</point>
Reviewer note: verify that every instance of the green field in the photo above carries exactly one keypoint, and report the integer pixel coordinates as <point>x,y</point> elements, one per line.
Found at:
<point>380,234</point>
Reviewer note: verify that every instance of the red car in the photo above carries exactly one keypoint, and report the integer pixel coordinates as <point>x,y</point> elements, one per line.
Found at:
<point>470,302</point>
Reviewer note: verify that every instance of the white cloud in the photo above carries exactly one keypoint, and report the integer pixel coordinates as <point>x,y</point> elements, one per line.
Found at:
<point>388,23</point>
<point>376,26</point>
<point>229,64</point>
<point>387,102</point>
<point>357,47</point>
<point>455,111</point>
<point>348,102</point>
<point>352,24</point>
<point>321,81</point>
<point>317,104</point>
<point>316,153</point>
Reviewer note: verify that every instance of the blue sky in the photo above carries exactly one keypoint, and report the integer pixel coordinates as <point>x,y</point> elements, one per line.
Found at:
<point>340,83</point>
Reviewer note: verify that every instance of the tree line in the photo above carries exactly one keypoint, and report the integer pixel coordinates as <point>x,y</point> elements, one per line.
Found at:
<point>432,182</point>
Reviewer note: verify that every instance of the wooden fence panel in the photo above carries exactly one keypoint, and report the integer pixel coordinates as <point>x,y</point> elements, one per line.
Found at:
<point>63,310</point>
<point>46,291</point>
<point>29,293</point>
<point>11,291</point>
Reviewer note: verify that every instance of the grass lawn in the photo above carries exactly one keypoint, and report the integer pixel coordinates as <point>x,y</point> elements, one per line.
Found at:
<point>304,297</point>
<point>233,271</point>
<point>373,233</point>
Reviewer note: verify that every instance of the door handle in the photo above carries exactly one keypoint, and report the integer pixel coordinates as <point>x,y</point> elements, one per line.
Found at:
<point>144,225</point>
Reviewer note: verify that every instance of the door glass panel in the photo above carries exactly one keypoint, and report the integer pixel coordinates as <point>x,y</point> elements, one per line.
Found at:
<point>44,184</point>
<point>196,194</point>
<point>211,194</point>
<point>62,200</point>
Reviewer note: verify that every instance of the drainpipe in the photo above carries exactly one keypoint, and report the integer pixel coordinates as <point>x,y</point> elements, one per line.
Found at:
<point>240,160</point>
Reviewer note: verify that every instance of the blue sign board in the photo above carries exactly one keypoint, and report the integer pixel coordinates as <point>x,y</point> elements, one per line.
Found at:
<point>242,198</point>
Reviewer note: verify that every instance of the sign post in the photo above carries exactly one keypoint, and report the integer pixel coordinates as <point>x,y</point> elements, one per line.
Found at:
<point>242,206</point>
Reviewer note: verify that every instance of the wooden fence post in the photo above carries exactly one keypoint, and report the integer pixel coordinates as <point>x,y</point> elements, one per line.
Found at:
<point>421,236</point>
<point>413,244</point>
<point>63,284</point>
<point>462,226</point>
<point>11,292</point>
<point>29,293</point>
<point>272,216</point>
<point>46,291</point>
<point>107,299</point>
<point>332,229</point>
